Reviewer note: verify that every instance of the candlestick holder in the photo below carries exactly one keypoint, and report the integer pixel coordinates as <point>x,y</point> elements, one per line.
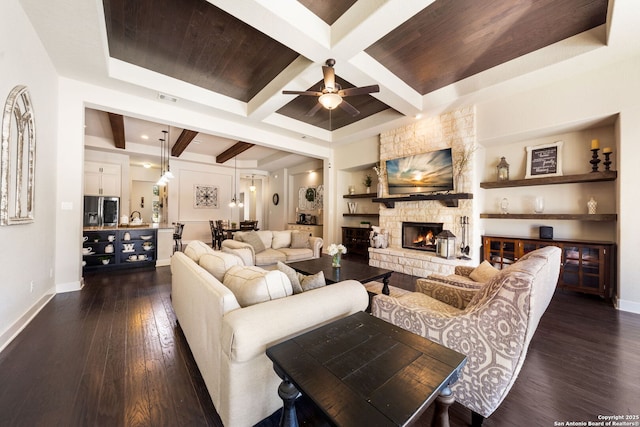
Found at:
<point>607,162</point>
<point>594,160</point>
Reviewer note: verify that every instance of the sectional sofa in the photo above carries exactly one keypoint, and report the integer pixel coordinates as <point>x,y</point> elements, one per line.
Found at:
<point>231,313</point>
<point>266,247</point>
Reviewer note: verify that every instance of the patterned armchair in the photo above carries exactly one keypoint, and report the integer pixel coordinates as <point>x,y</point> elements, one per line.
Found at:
<point>493,328</point>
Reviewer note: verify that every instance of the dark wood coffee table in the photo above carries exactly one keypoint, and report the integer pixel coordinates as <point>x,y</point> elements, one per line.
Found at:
<point>363,371</point>
<point>348,270</point>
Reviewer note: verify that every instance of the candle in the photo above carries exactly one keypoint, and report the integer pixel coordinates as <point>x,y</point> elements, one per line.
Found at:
<point>607,150</point>
<point>595,144</point>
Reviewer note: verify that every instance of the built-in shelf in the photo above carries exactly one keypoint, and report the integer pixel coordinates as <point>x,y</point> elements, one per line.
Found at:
<point>360,196</point>
<point>368,215</point>
<point>578,217</point>
<point>566,179</point>
<point>449,200</point>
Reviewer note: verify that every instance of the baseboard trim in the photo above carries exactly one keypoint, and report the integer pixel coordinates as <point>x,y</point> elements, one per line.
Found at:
<point>69,287</point>
<point>630,306</point>
<point>17,327</point>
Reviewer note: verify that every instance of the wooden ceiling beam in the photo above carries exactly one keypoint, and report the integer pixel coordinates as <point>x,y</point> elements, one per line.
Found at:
<point>183,142</point>
<point>117,128</point>
<point>237,148</point>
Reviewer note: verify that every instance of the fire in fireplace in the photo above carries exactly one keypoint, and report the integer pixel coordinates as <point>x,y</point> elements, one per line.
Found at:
<point>420,235</point>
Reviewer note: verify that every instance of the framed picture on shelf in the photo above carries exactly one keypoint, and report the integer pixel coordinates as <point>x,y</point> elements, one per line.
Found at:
<point>544,160</point>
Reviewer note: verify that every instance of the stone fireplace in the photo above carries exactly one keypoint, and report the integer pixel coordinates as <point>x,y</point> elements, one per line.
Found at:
<point>456,130</point>
<point>420,236</point>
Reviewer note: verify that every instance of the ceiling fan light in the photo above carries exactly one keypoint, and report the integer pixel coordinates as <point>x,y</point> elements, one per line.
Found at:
<point>330,100</point>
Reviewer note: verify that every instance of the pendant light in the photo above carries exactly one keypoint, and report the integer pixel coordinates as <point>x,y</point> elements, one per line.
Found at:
<point>165,173</point>
<point>234,201</point>
<point>163,180</point>
<point>252,187</point>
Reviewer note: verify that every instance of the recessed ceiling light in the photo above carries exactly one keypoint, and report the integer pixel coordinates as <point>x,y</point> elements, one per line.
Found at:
<point>147,165</point>
<point>196,141</point>
<point>144,136</point>
<point>418,116</point>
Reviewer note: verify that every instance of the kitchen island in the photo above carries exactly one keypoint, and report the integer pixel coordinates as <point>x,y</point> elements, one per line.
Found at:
<point>126,246</point>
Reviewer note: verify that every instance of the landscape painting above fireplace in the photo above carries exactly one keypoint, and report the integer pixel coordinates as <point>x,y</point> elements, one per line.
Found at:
<point>422,173</point>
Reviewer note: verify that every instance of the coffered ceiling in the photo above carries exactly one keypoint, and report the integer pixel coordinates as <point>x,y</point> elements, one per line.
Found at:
<point>235,57</point>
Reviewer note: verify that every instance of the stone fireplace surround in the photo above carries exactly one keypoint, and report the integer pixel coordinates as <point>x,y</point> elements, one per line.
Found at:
<point>455,129</point>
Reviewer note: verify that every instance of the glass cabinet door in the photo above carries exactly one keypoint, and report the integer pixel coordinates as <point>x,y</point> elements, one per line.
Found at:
<point>502,252</point>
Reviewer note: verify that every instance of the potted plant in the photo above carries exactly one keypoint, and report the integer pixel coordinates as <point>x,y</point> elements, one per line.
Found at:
<point>367,182</point>
<point>105,259</point>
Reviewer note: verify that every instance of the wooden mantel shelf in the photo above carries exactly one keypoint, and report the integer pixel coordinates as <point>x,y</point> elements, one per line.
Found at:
<point>566,179</point>
<point>449,200</point>
<point>578,217</point>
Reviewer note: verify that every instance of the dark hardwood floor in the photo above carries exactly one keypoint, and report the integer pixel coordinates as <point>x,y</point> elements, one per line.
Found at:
<point>112,355</point>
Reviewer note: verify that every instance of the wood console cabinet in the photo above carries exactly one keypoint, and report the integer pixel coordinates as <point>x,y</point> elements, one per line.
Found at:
<point>356,240</point>
<point>586,266</point>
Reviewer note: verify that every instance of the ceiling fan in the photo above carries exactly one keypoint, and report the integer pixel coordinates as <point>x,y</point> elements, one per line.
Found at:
<point>331,94</point>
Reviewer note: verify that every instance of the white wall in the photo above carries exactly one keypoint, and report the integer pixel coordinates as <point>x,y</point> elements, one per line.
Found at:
<point>27,254</point>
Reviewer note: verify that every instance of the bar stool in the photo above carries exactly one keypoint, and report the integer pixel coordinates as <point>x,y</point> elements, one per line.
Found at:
<point>177,237</point>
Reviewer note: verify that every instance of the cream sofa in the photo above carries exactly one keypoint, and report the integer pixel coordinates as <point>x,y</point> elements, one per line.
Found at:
<point>278,246</point>
<point>228,342</point>
<point>493,328</point>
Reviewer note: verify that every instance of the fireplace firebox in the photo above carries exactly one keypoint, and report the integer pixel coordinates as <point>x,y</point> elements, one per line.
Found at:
<point>420,235</point>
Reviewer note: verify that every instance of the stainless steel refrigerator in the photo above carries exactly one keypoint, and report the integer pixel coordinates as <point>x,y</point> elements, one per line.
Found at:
<point>99,211</point>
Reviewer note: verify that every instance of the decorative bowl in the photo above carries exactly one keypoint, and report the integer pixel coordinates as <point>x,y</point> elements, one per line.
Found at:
<point>146,237</point>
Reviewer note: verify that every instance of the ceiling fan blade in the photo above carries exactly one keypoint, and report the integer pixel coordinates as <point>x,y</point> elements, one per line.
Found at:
<point>329,78</point>
<point>314,110</point>
<point>349,108</point>
<point>301,92</point>
<point>359,90</point>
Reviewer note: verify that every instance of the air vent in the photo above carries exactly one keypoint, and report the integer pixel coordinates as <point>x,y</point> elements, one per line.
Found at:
<point>168,98</point>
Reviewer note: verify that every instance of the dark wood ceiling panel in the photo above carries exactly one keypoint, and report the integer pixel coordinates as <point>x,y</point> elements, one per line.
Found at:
<point>328,10</point>
<point>300,105</point>
<point>117,128</point>
<point>454,39</point>
<point>183,141</point>
<point>230,153</point>
<point>196,42</point>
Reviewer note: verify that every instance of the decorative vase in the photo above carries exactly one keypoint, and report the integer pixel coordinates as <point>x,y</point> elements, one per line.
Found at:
<point>380,189</point>
<point>368,190</point>
<point>592,205</point>
<point>335,262</point>
<point>539,205</point>
<point>459,183</point>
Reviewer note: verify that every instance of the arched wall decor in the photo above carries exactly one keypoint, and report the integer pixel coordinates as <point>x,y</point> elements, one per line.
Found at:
<point>17,159</point>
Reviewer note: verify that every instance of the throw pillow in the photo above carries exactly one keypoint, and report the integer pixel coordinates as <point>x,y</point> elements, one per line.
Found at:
<point>281,239</point>
<point>312,282</point>
<point>217,263</point>
<point>299,240</point>
<point>484,272</point>
<point>292,275</point>
<point>253,285</point>
<point>254,240</point>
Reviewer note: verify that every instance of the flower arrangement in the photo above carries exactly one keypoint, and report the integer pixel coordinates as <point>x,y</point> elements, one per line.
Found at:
<point>336,252</point>
<point>378,169</point>
<point>367,180</point>
<point>337,249</point>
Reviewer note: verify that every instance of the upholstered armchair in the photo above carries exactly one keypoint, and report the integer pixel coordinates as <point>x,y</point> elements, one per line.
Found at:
<point>492,325</point>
